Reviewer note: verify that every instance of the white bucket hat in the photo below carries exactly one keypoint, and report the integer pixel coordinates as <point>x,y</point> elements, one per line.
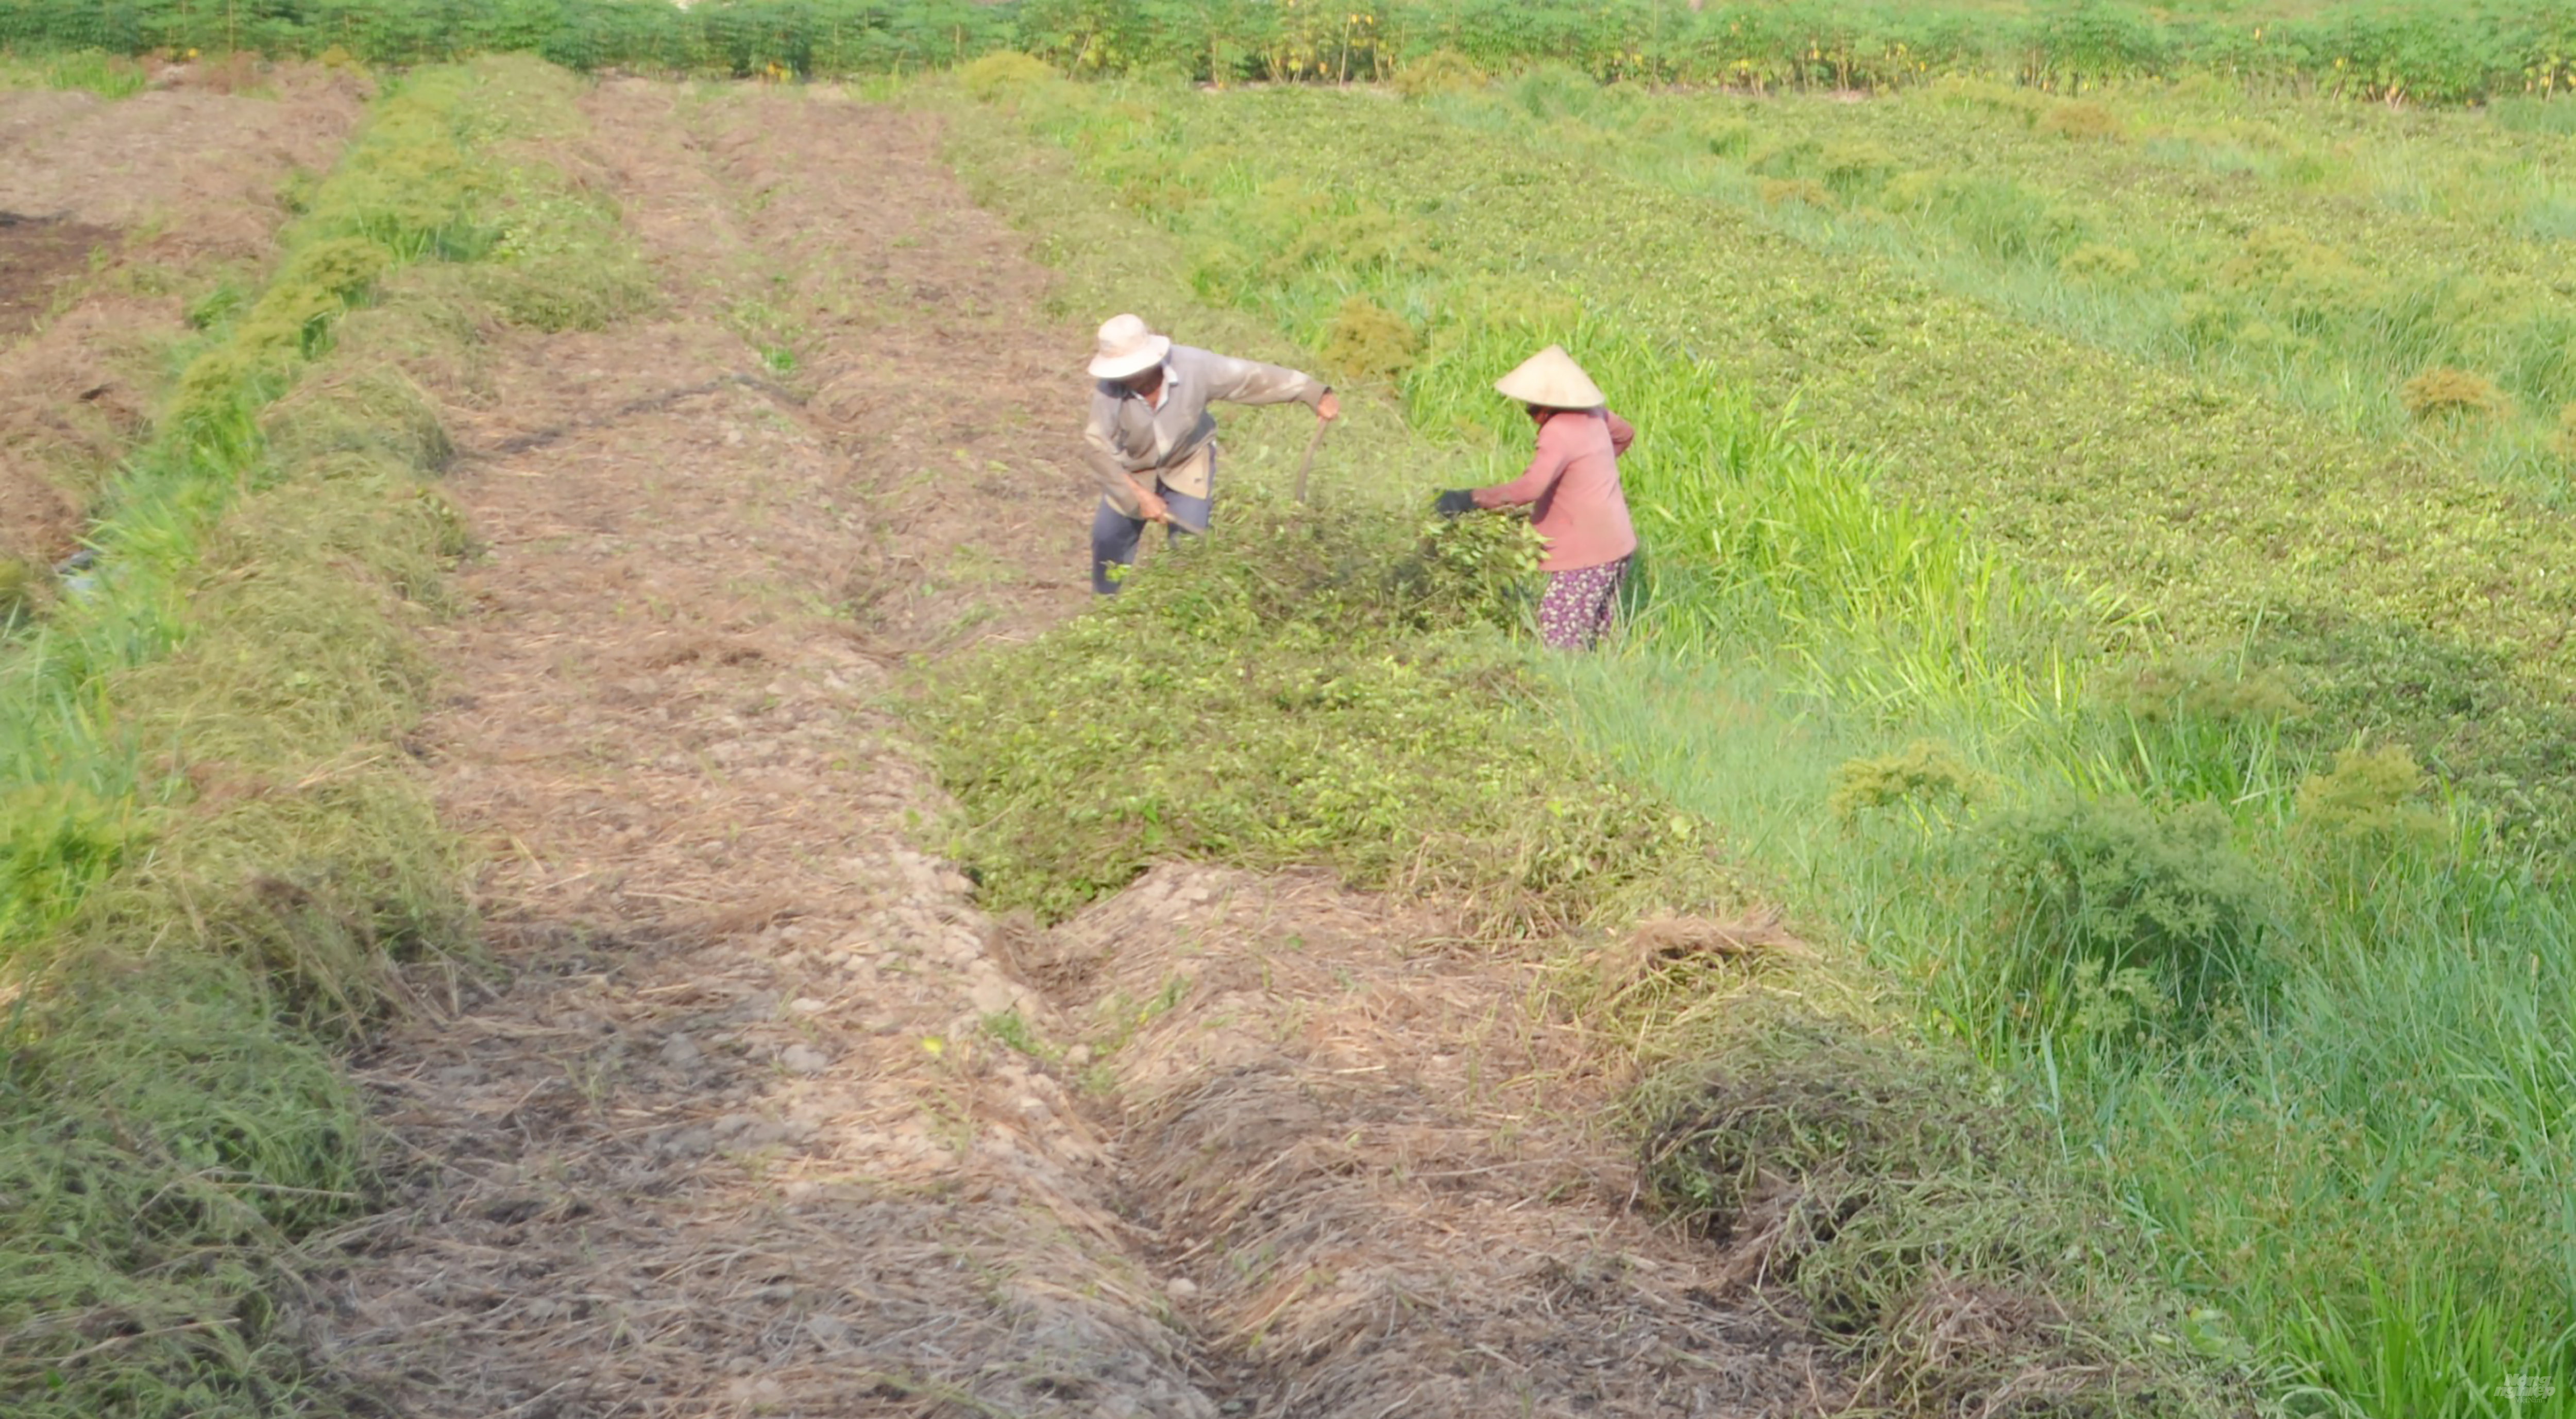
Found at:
<point>1552,380</point>
<point>1128,346</point>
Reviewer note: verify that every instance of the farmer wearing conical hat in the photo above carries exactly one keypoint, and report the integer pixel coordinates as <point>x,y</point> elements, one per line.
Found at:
<point>1151,440</point>
<point>1573,480</point>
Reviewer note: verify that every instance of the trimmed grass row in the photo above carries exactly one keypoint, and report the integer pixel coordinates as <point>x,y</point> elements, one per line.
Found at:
<point>216,848</point>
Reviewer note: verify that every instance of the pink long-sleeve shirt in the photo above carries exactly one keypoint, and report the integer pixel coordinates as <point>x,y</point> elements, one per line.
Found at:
<point>1574,480</point>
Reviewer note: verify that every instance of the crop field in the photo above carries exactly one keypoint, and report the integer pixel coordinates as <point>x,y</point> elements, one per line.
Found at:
<point>573,844</point>
<point>2077,529</point>
<point>2103,559</point>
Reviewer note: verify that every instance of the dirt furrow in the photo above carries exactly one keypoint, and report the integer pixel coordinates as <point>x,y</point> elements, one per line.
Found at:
<point>114,214</point>
<point>726,1139</point>
<point>767,1117</point>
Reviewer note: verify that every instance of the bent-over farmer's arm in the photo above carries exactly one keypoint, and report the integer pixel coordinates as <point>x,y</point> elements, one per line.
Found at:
<point>1545,467</point>
<point>1622,434</point>
<point>1252,382</point>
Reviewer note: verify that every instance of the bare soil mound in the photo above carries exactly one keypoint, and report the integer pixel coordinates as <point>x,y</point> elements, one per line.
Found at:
<point>113,214</point>
<point>199,169</point>
<point>768,1118</point>
<point>36,253</point>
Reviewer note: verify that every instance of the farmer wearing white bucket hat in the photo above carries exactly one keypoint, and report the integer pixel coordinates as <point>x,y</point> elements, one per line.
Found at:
<point>1573,480</point>
<point>1151,441</point>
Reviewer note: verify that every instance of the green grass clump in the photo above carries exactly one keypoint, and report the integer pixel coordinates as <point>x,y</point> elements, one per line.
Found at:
<point>20,586</point>
<point>1442,71</point>
<point>1001,74</point>
<point>2374,797</point>
<point>1308,690</point>
<point>162,1141</point>
<point>1925,776</point>
<point>2450,393</point>
<point>2109,890</point>
<point>1914,1205</point>
<point>2081,120</point>
<point>1368,341</point>
<point>2099,262</point>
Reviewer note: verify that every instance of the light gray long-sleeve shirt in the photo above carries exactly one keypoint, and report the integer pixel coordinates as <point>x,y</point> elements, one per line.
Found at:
<point>1128,435</point>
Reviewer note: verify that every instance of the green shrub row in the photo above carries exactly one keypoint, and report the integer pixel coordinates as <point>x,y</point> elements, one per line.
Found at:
<point>2426,50</point>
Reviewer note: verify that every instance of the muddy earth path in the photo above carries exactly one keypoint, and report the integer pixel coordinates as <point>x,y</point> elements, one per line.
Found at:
<point>741,1129</point>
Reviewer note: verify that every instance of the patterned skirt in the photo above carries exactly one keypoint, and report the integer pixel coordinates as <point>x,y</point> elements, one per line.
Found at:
<point>1579,605</point>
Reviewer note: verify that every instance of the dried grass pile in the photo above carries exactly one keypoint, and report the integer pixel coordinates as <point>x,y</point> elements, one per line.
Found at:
<point>1379,1179</point>
<point>1914,1210</point>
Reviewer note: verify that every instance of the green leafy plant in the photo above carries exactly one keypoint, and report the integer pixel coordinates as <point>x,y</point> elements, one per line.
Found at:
<point>1927,772</point>
<point>1368,341</point>
<point>1442,71</point>
<point>2371,795</point>
<point>2450,393</point>
<point>2095,261</point>
<point>2116,883</point>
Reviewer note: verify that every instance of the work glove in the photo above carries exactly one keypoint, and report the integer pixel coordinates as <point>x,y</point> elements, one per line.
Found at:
<point>1455,502</point>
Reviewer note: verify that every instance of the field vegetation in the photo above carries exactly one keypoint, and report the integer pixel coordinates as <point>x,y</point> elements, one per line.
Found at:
<point>2105,489</point>
<point>214,850</point>
<point>1335,684</point>
<point>2122,810</point>
<point>2419,50</point>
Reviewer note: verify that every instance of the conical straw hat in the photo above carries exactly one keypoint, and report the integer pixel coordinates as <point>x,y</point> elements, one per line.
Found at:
<point>1552,380</point>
